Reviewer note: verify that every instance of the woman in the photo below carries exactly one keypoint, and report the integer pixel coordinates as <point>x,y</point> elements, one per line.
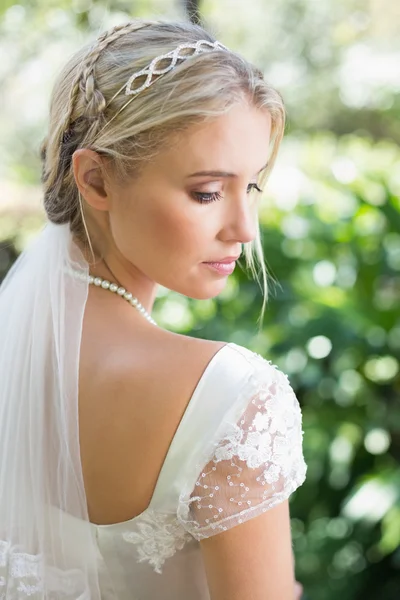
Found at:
<point>168,475</point>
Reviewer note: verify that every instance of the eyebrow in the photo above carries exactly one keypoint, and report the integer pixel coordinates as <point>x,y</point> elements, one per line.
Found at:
<point>219,173</point>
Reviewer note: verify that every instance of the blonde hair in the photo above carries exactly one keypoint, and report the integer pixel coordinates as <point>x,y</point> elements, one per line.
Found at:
<point>83,112</point>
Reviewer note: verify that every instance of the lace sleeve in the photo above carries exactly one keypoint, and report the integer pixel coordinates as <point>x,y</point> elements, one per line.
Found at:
<point>256,465</point>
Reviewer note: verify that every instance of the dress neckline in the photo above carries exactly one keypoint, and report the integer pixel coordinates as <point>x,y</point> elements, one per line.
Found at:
<point>214,359</point>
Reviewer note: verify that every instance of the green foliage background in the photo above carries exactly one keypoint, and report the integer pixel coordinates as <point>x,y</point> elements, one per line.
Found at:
<point>331,235</point>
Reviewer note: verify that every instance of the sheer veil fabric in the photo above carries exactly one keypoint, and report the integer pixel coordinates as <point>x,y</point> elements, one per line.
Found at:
<point>42,496</point>
<point>236,453</point>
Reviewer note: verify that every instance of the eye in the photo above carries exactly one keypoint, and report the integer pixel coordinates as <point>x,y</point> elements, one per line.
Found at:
<point>253,186</point>
<point>207,197</point>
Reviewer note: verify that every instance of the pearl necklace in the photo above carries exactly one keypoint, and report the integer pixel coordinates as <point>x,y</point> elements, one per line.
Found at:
<point>121,291</point>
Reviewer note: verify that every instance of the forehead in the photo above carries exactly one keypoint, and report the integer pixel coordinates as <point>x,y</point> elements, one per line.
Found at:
<point>237,141</point>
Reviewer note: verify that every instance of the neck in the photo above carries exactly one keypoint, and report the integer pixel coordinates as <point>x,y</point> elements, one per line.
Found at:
<point>113,267</point>
<point>129,278</point>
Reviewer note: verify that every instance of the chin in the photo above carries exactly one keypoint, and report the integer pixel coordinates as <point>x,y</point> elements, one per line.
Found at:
<point>206,292</point>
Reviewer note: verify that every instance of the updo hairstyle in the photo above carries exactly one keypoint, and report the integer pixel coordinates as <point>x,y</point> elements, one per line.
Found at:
<point>83,112</point>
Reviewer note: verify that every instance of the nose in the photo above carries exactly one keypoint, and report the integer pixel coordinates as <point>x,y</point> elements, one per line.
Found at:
<point>240,224</point>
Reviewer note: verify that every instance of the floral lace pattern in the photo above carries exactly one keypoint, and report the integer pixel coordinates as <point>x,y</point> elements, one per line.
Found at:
<point>157,538</point>
<point>19,573</point>
<point>258,463</point>
<point>21,576</point>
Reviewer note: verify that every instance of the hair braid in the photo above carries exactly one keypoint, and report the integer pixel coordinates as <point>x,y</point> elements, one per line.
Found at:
<point>85,81</point>
<point>67,137</point>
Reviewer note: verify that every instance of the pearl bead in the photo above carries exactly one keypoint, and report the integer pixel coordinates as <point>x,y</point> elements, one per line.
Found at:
<point>113,287</point>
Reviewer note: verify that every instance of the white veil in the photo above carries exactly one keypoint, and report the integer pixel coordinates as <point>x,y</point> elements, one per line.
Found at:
<point>47,545</point>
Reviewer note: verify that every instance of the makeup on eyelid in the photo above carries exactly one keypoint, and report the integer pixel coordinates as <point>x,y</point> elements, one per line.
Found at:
<point>214,196</point>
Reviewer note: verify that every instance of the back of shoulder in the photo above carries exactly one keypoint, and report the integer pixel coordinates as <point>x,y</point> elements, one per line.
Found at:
<point>227,379</point>
<point>177,363</point>
<point>158,359</point>
<point>172,367</point>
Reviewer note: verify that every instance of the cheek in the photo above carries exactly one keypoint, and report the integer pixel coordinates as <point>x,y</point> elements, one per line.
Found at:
<point>175,227</point>
<point>167,228</point>
<point>180,231</point>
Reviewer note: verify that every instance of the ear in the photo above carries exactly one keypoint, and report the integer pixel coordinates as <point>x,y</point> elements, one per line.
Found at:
<point>89,173</point>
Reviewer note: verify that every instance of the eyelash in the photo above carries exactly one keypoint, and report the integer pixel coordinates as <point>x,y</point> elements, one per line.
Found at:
<point>208,197</point>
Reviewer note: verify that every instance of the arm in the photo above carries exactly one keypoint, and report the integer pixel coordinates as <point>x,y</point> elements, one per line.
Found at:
<point>252,561</point>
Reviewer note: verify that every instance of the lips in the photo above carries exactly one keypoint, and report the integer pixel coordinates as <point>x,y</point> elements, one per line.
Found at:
<point>223,267</point>
<point>227,260</point>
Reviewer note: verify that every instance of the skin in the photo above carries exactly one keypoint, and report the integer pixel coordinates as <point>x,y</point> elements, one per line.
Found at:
<point>154,229</point>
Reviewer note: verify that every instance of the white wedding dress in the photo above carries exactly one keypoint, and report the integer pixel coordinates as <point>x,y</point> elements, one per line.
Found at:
<point>237,452</point>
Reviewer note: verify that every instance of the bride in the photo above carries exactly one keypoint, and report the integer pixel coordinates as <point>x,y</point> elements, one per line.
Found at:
<point>136,463</point>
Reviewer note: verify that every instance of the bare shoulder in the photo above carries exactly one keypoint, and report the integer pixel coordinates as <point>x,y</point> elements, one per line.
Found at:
<point>181,353</point>
<point>144,372</point>
<point>124,352</point>
<point>135,384</point>
<point>162,359</point>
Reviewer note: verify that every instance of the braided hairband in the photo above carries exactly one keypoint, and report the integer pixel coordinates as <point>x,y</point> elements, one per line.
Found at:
<point>153,71</point>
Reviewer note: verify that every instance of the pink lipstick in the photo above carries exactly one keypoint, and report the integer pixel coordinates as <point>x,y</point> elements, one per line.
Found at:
<point>224,268</point>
